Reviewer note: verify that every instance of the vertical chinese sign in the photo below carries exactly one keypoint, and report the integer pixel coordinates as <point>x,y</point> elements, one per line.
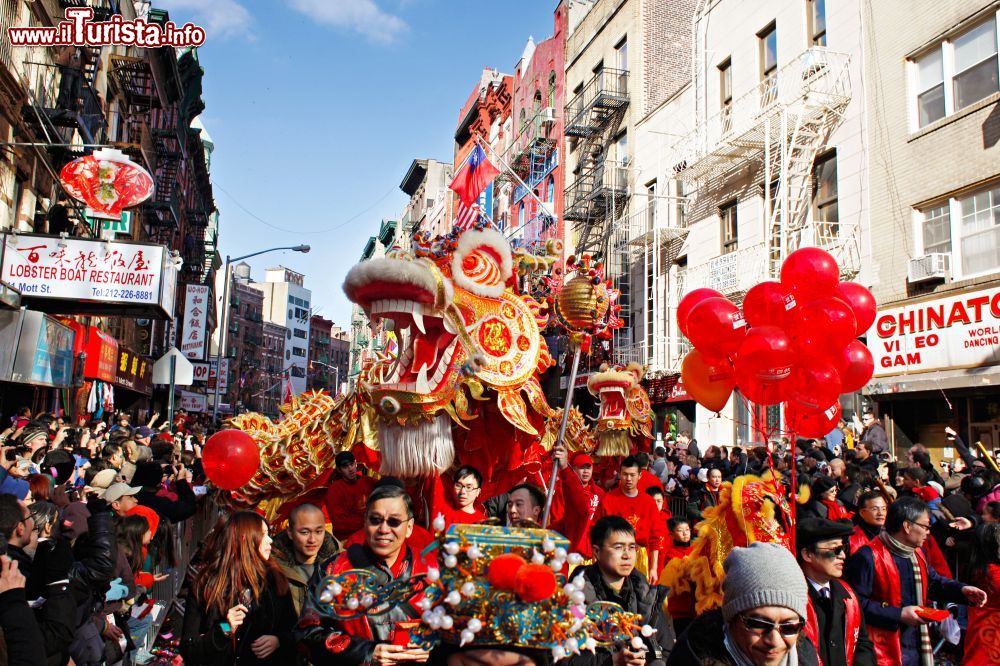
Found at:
<point>195,317</point>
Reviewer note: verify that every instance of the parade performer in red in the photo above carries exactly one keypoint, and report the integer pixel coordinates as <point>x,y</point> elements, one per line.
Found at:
<point>981,646</point>
<point>459,504</point>
<point>640,511</point>
<point>346,497</point>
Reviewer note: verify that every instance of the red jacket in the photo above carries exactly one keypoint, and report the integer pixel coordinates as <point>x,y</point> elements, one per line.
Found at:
<point>981,646</point>
<point>640,511</point>
<point>858,539</point>
<point>345,505</point>
<point>852,624</point>
<point>887,589</point>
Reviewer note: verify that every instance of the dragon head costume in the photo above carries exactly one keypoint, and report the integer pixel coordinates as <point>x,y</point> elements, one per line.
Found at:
<point>626,414</point>
<point>750,509</point>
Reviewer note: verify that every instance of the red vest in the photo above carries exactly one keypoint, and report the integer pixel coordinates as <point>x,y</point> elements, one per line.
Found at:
<point>852,624</point>
<point>858,539</point>
<point>887,589</point>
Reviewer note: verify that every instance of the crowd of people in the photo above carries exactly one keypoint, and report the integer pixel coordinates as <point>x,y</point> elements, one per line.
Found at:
<point>894,562</point>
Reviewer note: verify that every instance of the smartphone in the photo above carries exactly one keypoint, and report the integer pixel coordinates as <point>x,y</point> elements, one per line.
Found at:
<point>246,598</point>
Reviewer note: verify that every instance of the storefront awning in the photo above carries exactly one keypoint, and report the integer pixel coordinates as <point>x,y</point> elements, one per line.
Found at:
<point>941,380</point>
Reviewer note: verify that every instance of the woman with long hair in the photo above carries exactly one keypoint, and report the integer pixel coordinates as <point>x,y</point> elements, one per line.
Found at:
<point>984,623</point>
<point>239,610</point>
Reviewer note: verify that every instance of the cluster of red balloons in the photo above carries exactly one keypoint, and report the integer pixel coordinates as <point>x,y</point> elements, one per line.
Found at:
<point>795,341</point>
<point>230,459</point>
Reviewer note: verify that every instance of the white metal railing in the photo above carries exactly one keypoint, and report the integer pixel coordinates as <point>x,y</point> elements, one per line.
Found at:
<point>664,354</point>
<point>730,273</point>
<point>817,78</point>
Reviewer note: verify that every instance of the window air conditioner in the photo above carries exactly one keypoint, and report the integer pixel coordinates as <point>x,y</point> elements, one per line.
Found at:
<point>548,115</point>
<point>933,266</point>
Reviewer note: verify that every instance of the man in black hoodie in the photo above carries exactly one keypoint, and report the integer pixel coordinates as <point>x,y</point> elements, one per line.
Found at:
<point>613,578</point>
<point>56,617</point>
<point>149,476</point>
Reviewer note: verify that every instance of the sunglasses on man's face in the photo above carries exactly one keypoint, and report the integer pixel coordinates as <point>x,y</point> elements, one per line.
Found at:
<point>392,522</point>
<point>759,625</point>
<point>832,553</point>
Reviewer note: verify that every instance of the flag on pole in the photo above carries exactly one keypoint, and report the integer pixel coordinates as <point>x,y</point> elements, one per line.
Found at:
<point>474,176</point>
<point>288,388</point>
<point>467,215</point>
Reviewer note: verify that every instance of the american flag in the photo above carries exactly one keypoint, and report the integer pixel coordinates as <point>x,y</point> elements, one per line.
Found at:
<point>467,216</point>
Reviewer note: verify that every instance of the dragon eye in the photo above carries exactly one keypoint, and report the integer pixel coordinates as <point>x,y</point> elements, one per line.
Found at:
<point>389,406</point>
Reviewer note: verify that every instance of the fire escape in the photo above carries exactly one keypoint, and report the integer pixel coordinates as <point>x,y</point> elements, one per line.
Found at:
<point>598,197</point>
<point>781,125</point>
<point>534,155</point>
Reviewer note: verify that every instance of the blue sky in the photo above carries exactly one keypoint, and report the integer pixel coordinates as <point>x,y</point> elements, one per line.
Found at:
<point>317,108</point>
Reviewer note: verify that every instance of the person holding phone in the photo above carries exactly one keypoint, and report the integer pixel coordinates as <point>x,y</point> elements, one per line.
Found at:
<point>239,610</point>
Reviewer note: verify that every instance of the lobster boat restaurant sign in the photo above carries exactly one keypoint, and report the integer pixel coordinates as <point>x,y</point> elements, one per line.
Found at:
<point>952,332</point>
<point>82,276</point>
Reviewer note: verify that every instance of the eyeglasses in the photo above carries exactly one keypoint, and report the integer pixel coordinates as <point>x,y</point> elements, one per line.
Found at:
<point>759,625</point>
<point>926,527</point>
<point>833,553</point>
<point>459,488</point>
<point>876,509</point>
<point>622,547</point>
<point>392,522</point>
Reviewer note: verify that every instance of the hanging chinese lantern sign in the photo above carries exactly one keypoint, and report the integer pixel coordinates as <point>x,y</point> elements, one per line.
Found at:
<point>108,182</point>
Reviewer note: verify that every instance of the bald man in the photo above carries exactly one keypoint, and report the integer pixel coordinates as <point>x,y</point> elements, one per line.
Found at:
<point>301,546</point>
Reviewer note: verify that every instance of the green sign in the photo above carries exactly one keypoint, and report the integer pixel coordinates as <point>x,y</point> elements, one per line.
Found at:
<point>111,228</point>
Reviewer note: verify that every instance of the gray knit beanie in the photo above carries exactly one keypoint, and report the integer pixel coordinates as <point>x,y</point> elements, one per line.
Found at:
<point>764,574</point>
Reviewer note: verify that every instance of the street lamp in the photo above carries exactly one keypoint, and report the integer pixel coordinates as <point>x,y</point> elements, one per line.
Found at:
<point>336,375</point>
<point>223,335</point>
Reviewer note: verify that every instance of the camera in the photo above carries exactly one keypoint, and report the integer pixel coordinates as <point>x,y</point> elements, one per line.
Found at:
<point>885,456</point>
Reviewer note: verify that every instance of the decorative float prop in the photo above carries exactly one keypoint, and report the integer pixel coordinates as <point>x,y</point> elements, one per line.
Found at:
<point>107,181</point>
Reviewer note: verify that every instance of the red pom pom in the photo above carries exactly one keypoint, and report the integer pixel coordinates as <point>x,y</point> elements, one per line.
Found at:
<point>503,570</point>
<point>535,582</point>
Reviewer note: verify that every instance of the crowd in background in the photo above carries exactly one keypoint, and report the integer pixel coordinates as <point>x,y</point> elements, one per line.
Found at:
<point>880,542</point>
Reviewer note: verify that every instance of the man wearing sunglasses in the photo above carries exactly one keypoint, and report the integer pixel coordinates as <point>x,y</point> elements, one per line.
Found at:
<point>764,606</point>
<point>893,583</point>
<point>834,624</point>
<point>388,519</point>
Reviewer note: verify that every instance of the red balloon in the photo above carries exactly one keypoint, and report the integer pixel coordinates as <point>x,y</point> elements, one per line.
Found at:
<point>815,383</point>
<point>708,380</point>
<point>716,327</point>
<point>810,273</point>
<point>805,422</point>
<point>764,365</point>
<point>688,303</point>
<point>768,304</point>
<point>856,366</point>
<point>230,459</point>
<point>823,327</point>
<point>862,304</point>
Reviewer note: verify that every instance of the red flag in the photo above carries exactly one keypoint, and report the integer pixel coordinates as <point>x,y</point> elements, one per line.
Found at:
<point>288,388</point>
<point>473,177</point>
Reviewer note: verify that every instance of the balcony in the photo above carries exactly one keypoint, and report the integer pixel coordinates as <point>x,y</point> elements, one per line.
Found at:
<point>603,96</point>
<point>50,109</point>
<point>540,163</point>
<point>814,89</point>
<point>655,224</point>
<point>597,192</point>
<point>733,273</point>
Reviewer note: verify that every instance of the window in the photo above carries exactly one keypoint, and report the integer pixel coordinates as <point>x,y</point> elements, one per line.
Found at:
<point>936,230</point>
<point>930,86</point>
<point>727,215</point>
<point>650,205</point>
<point>298,351</point>
<point>621,149</point>
<point>976,64</point>
<point>552,89</point>
<point>967,228</point>
<point>621,54</point>
<point>825,212</point>
<point>980,231</point>
<point>550,192</point>
<point>726,94</point>
<point>299,333</point>
<point>817,22</point>
<point>523,120</point>
<point>536,108</point>
<point>955,74</point>
<point>768,45</point>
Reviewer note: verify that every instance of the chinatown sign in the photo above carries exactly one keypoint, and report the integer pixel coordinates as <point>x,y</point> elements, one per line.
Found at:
<point>195,315</point>
<point>89,276</point>
<point>952,332</point>
<point>107,181</point>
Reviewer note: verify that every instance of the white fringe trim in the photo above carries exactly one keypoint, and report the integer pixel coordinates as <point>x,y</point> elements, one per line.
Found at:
<point>416,451</point>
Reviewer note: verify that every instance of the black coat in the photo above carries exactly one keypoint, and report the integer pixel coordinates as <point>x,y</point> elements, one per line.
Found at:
<point>173,510</point>
<point>637,596</point>
<point>20,630</point>
<point>202,640</point>
<point>703,644</point>
<point>56,618</point>
<point>831,617</point>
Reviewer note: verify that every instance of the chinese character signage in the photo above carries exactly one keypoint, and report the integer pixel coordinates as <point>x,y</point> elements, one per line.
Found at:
<point>195,316</point>
<point>90,273</point>
<point>134,372</point>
